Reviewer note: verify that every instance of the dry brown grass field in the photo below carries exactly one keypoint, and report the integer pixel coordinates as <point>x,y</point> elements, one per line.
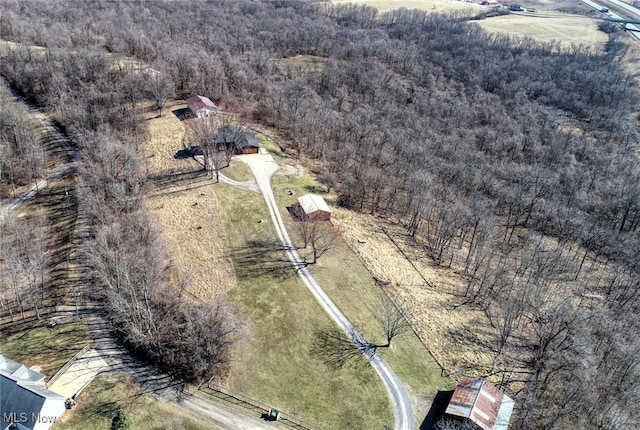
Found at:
<point>564,29</point>
<point>432,5</point>
<point>294,66</point>
<point>544,26</point>
<point>186,209</point>
<point>459,338</point>
<point>429,305</point>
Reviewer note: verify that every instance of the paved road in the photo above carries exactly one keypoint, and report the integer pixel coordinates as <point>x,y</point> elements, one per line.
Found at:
<point>634,30</point>
<point>263,167</point>
<point>160,386</point>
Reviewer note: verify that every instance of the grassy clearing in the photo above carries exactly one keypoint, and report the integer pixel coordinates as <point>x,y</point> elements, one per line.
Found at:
<point>562,28</point>
<point>432,5</point>
<point>238,171</point>
<point>7,45</point>
<point>430,308</point>
<point>352,287</point>
<point>184,203</point>
<point>103,397</point>
<point>298,65</point>
<point>275,366</point>
<point>46,349</point>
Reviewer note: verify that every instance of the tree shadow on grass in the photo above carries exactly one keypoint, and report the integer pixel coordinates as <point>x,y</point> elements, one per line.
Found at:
<point>161,182</point>
<point>261,258</point>
<point>183,114</point>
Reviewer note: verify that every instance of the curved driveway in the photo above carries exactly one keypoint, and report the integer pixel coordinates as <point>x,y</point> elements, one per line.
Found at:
<point>263,166</point>
<point>106,348</point>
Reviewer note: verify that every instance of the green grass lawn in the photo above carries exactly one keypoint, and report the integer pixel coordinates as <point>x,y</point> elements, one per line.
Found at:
<point>103,397</point>
<point>48,348</point>
<point>276,366</point>
<point>350,285</point>
<point>273,149</point>
<point>238,171</point>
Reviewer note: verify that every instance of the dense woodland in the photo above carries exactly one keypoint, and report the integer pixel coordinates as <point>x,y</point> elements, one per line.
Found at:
<point>512,161</point>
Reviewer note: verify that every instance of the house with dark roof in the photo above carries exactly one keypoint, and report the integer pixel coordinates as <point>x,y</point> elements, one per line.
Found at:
<point>201,106</point>
<point>241,140</point>
<point>479,402</point>
<point>311,207</point>
<point>25,402</point>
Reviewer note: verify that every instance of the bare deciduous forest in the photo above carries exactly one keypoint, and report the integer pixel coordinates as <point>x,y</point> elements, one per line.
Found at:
<point>512,161</point>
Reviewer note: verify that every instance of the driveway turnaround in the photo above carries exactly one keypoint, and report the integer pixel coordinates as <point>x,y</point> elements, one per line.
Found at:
<point>79,374</point>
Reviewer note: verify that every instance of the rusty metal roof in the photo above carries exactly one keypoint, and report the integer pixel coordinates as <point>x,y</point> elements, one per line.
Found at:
<point>482,403</point>
<point>196,103</point>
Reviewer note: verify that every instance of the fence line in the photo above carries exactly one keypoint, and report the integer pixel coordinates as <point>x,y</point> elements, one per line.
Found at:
<point>241,400</point>
<point>68,364</point>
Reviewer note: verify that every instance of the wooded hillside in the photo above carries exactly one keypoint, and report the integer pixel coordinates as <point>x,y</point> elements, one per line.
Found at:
<point>513,162</point>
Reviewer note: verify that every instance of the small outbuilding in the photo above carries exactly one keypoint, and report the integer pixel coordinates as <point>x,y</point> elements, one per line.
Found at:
<point>312,207</point>
<point>201,106</point>
<point>479,402</point>
<point>242,141</point>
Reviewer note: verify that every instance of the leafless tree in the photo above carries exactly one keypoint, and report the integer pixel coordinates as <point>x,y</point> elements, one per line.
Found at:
<point>160,86</point>
<point>318,236</point>
<point>392,321</point>
<point>453,424</point>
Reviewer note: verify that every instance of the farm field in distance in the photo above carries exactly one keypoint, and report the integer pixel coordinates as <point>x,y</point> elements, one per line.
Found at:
<point>440,6</point>
<point>480,167</point>
<point>545,25</point>
<point>564,29</point>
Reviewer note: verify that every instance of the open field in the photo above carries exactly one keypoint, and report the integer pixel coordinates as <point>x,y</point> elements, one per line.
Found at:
<point>271,363</point>
<point>353,288</point>
<point>292,67</point>
<point>430,309</point>
<point>561,28</point>
<point>45,349</point>
<point>105,395</point>
<point>432,5</point>
<point>275,365</point>
<point>565,29</point>
<point>185,205</point>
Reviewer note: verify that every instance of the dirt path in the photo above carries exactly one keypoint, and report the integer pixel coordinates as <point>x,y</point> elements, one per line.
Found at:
<point>263,167</point>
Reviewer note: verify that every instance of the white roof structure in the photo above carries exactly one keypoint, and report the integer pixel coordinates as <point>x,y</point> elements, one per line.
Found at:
<point>312,203</point>
<point>24,401</point>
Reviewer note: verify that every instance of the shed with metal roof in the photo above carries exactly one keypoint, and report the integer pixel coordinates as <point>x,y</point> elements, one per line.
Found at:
<point>312,207</point>
<point>201,106</point>
<point>481,403</point>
